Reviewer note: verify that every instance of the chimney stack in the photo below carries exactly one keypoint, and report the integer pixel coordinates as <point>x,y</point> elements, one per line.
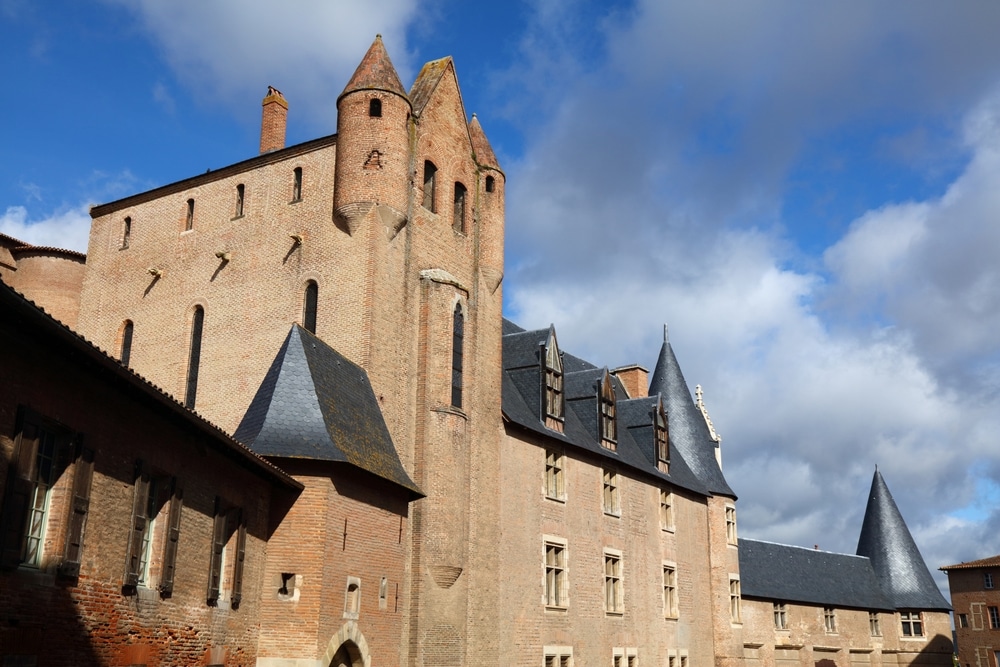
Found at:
<point>634,379</point>
<point>273,121</point>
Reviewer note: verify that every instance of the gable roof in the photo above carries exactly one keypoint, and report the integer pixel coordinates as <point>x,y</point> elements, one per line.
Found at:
<point>316,404</point>
<point>900,568</point>
<point>427,80</point>
<point>375,72</point>
<point>992,561</point>
<point>785,573</point>
<point>688,430</point>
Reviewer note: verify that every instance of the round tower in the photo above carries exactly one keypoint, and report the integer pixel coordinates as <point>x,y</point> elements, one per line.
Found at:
<point>372,169</point>
<point>489,206</point>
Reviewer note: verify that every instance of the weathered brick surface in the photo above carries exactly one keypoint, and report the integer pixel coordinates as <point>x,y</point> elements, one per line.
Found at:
<point>969,596</point>
<point>50,278</point>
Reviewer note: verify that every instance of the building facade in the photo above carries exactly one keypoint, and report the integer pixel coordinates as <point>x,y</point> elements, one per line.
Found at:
<point>470,493</point>
<point>976,601</point>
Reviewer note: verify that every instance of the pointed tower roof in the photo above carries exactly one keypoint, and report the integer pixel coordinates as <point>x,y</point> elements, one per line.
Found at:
<point>886,541</point>
<point>315,404</point>
<point>428,79</point>
<point>481,145</point>
<point>375,73</point>
<point>687,428</point>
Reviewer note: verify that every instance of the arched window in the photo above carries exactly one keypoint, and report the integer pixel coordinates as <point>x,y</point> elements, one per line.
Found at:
<point>375,107</point>
<point>553,397</point>
<point>457,346</point>
<point>189,223</point>
<point>126,351</point>
<point>297,185</point>
<point>608,424</point>
<point>429,171</point>
<point>240,192</point>
<point>194,356</point>
<point>309,304</point>
<point>660,437</point>
<point>459,221</point>
<point>126,233</point>
<point>490,184</point>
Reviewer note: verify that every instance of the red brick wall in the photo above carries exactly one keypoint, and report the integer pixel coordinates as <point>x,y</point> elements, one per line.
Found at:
<point>52,280</point>
<point>969,596</point>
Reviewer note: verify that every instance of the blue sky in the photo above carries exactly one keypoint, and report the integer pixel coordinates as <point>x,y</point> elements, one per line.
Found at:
<point>807,192</point>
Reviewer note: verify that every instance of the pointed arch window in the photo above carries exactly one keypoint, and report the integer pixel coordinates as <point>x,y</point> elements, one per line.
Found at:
<point>126,233</point>
<point>606,417</point>
<point>457,350</point>
<point>429,172</point>
<point>126,350</point>
<point>554,399</point>
<point>309,306</point>
<point>189,221</point>
<point>194,356</point>
<point>460,195</point>
<point>660,436</point>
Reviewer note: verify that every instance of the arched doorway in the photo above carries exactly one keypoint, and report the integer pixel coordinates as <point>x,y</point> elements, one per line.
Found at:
<point>347,655</point>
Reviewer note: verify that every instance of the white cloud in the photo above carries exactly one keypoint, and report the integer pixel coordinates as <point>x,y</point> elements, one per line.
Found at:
<point>67,228</point>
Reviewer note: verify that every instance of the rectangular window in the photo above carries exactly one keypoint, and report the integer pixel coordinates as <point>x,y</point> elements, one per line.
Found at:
<point>731,525</point>
<point>977,615</point>
<point>873,624</point>
<point>912,623</point>
<point>670,591</point>
<point>558,656</point>
<point>613,594</point>
<point>240,195</point>
<point>228,526</point>
<point>735,604</point>
<point>126,233</point>
<point>83,475</point>
<point>429,172</point>
<point>666,510</point>
<point>555,575</point>
<point>150,493</point>
<point>780,616</point>
<point>555,486</point>
<point>458,221</point>
<point>994,617</point>
<point>830,619</point>
<point>297,185</point>
<point>189,220</point>
<point>963,620</point>
<point>987,580</point>
<point>612,498</point>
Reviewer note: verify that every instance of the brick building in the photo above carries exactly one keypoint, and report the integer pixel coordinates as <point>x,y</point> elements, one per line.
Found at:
<point>976,600</point>
<point>471,494</point>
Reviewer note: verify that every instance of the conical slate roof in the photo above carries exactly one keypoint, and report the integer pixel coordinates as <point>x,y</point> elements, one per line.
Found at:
<point>886,541</point>
<point>685,423</point>
<point>315,404</point>
<point>375,72</point>
<point>481,145</point>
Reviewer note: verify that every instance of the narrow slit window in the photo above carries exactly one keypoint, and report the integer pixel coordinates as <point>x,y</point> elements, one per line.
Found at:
<point>459,221</point>
<point>240,193</point>
<point>375,107</point>
<point>194,356</point>
<point>189,223</point>
<point>429,171</point>
<point>458,343</point>
<point>309,306</point>
<point>126,233</point>
<point>297,184</point>
<point>490,183</point>
<point>126,350</point>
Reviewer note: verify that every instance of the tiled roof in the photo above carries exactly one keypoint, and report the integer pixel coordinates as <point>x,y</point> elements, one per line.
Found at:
<point>316,404</point>
<point>901,571</point>
<point>26,248</point>
<point>16,310</point>
<point>992,561</point>
<point>688,430</point>
<point>481,145</point>
<point>521,389</point>
<point>427,81</point>
<point>793,574</point>
<point>375,72</point>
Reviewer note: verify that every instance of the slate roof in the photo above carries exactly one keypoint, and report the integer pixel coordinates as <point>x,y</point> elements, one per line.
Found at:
<point>522,405</point>
<point>316,404</point>
<point>992,561</point>
<point>794,574</point>
<point>687,427</point>
<point>375,72</point>
<point>901,571</point>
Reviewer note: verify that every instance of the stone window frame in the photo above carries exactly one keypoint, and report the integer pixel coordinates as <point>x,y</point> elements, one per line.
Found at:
<point>732,537</point>
<point>614,582</point>
<point>667,518</point>
<point>352,598</point>
<point>830,620</point>
<point>875,625</point>
<point>611,498</point>
<point>554,486</point>
<point>911,624</point>
<point>735,600</point>
<point>671,597</point>
<point>557,656</point>
<point>555,582</point>
<point>780,610</point>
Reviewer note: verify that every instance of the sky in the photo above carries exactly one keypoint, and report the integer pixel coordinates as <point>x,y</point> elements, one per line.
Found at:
<point>807,193</point>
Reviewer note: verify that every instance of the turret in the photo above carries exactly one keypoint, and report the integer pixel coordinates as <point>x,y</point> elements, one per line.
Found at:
<point>489,205</point>
<point>373,157</point>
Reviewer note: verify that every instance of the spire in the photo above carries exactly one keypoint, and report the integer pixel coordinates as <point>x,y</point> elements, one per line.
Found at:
<point>375,72</point>
<point>899,567</point>
<point>481,145</point>
<point>688,431</point>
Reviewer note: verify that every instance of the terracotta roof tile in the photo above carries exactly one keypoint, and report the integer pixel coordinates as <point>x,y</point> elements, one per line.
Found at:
<point>427,81</point>
<point>481,145</point>
<point>992,561</point>
<point>375,72</point>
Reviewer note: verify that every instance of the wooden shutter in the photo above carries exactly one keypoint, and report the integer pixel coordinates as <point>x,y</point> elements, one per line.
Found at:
<point>170,544</point>
<point>79,507</point>
<point>241,549</point>
<point>218,544</point>
<point>138,526</point>
<point>18,496</point>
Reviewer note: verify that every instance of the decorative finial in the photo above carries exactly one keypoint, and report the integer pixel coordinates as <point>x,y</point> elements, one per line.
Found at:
<point>665,339</point>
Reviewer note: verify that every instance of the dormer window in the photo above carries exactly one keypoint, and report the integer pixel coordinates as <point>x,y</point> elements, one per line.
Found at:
<point>375,107</point>
<point>660,438</point>
<point>606,417</point>
<point>554,399</point>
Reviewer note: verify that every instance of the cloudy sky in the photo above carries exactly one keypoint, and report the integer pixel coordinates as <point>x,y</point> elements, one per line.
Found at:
<point>806,192</point>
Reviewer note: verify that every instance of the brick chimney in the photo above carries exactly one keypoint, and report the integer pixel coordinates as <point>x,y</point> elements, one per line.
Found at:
<point>634,378</point>
<point>273,121</point>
